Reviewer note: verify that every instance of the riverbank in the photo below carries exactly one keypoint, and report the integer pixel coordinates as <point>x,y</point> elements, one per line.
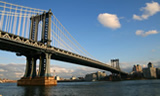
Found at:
<point>8,81</point>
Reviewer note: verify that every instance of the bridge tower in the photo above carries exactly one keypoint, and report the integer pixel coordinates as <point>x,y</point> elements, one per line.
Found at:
<point>115,64</point>
<point>46,27</point>
<point>44,76</point>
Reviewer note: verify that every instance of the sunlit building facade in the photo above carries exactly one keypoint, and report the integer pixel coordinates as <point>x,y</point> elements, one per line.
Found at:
<point>150,72</point>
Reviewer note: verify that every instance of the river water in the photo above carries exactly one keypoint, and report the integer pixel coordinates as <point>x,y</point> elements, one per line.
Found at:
<point>102,88</point>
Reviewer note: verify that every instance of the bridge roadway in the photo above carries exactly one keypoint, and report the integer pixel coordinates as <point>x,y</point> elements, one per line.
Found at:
<point>24,46</point>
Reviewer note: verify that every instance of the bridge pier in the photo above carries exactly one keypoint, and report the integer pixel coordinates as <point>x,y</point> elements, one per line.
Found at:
<point>43,77</point>
<point>44,66</point>
<point>33,67</point>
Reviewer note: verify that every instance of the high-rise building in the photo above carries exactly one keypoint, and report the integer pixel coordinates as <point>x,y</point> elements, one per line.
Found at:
<point>158,72</point>
<point>73,78</point>
<point>149,72</point>
<point>150,65</point>
<point>91,77</point>
<point>57,78</point>
<point>137,72</point>
<point>100,75</point>
<point>137,68</point>
<point>95,76</point>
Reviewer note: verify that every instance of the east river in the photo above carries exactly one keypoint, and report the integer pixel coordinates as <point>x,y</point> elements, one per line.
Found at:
<point>102,88</point>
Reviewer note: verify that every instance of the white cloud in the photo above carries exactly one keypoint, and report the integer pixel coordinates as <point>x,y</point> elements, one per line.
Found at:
<point>61,70</point>
<point>137,17</point>
<point>125,66</point>
<point>150,10</point>
<point>144,34</point>
<point>109,20</point>
<point>2,70</point>
<point>144,65</point>
<point>12,71</point>
<point>16,71</point>
<point>139,32</point>
<point>68,72</point>
<point>19,75</point>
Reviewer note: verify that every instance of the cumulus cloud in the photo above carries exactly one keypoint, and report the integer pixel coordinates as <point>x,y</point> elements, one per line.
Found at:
<point>150,10</point>
<point>109,20</point>
<point>69,72</point>
<point>144,34</point>
<point>156,64</point>
<point>16,71</point>
<point>12,71</point>
<point>125,66</point>
<point>2,70</point>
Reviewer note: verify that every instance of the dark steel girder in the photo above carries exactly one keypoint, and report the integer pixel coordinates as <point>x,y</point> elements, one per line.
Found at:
<point>24,49</point>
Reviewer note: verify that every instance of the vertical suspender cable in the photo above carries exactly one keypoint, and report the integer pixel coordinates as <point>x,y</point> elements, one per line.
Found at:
<point>7,26</point>
<point>19,24</point>
<point>2,17</point>
<point>15,21</point>
<point>52,33</point>
<point>27,27</point>
<point>57,34</point>
<point>9,21</point>
<point>10,29</point>
<point>24,23</point>
<point>5,29</point>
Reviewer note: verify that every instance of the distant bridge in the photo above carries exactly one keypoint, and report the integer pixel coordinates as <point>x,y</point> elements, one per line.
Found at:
<point>45,39</point>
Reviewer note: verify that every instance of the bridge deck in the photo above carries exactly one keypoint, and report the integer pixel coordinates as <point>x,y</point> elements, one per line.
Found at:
<point>14,43</point>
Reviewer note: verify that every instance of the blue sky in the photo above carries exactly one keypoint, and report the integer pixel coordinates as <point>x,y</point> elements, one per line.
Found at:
<point>107,29</point>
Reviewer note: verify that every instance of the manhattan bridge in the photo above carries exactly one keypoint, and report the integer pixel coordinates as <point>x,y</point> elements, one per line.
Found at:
<point>38,35</point>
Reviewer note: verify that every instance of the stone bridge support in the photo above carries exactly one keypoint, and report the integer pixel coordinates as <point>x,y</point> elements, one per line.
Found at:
<point>30,67</point>
<point>44,66</point>
<point>43,77</point>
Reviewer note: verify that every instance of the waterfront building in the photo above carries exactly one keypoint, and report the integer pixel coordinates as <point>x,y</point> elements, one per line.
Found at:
<point>137,68</point>
<point>149,72</point>
<point>158,72</point>
<point>91,77</point>
<point>73,78</point>
<point>101,75</point>
<point>137,72</point>
<point>95,76</point>
<point>57,78</point>
<point>80,78</point>
<point>150,65</point>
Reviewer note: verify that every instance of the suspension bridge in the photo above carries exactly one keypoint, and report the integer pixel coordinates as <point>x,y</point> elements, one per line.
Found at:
<point>37,34</point>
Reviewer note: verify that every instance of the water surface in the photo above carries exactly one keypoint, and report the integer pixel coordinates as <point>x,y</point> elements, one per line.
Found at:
<point>103,88</point>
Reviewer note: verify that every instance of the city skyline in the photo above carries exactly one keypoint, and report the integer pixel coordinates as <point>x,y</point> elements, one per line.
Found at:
<point>130,32</point>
